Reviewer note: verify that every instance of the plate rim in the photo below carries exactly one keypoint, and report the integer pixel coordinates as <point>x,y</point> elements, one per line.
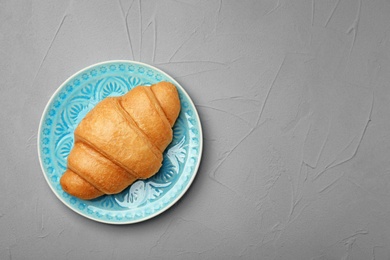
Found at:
<point>196,167</point>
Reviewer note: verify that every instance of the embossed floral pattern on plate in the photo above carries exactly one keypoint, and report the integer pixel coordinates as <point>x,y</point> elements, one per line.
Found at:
<point>144,198</point>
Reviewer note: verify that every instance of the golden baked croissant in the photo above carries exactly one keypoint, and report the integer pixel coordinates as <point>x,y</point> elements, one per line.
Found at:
<point>121,140</point>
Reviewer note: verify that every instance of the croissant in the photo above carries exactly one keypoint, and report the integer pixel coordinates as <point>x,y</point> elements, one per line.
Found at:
<point>121,140</point>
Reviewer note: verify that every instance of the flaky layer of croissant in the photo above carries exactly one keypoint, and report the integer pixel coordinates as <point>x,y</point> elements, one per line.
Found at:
<point>121,140</point>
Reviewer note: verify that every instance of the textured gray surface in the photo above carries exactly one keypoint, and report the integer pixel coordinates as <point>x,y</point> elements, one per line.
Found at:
<point>294,100</point>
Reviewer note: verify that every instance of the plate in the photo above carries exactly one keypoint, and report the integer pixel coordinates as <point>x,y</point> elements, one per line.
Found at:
<point>144,199</point>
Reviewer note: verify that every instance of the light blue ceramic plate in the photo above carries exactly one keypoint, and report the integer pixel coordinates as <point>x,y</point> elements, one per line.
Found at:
<point>145,198</point>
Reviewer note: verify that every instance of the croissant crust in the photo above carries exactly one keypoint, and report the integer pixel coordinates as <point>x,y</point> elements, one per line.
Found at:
<point>121,140</point>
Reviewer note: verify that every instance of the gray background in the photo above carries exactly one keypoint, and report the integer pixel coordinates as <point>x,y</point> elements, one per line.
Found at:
<point>294,101</point>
